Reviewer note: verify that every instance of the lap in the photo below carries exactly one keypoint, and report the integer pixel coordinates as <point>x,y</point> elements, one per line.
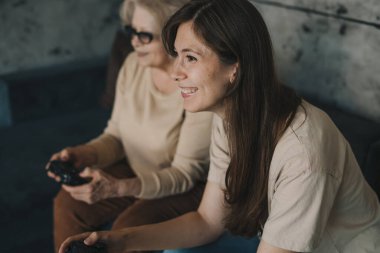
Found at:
<point>94,214</point>
<point>158,210</point>
<point>127,211</point>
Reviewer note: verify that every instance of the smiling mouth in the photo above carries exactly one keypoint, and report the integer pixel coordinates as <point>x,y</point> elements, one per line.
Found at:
<point>189,91</point>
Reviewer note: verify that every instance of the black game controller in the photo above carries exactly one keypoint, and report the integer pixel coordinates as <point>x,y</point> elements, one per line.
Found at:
<point>80,247</point>
<point>67,172</point>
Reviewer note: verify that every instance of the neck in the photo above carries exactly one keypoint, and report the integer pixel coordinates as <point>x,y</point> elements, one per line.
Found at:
<point>220,111</point>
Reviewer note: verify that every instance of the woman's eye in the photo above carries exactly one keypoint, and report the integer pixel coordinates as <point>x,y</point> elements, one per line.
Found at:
<point>191,58</point>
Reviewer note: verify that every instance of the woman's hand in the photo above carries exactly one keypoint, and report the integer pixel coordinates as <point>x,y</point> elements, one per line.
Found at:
<point>102,186</point>
<point>115,240</point>
<point>81,156</point>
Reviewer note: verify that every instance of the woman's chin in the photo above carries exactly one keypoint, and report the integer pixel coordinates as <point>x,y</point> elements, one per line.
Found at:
<point>144,62</point>
<point>191,108</point>
<point>194,108</point>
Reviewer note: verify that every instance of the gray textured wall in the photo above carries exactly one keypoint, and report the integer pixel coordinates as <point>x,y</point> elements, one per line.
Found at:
<point>330,49</point>
<point>40,33</point>
<point>335,59</point>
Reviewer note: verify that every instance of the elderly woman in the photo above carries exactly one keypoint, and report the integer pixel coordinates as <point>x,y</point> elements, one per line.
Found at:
<point>166,148</point>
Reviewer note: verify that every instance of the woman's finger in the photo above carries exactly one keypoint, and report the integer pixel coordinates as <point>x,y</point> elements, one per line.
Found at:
<point>65,154</point>
<point>93,238</point>
<point>52,158</point>
<point>71,239</point>
<point>87,172</point>
<point>54,176</point>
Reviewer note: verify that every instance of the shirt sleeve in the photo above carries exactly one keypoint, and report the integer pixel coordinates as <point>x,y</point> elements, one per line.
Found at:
<point>219,153</point>
<point>190,163</point>
<point>301,206</point>
<point>108,145</point>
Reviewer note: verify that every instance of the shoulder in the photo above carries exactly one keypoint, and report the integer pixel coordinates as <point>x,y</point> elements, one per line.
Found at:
<point>219,141</point>
<point>131,72</point>
<point>130,64</point>
<point>218,127</point>
<point>313,141</point>
<point>219,152</point>
<point>219,149</point>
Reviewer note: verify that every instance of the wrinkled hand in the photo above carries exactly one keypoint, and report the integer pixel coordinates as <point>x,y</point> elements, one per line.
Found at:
<point>81,156</point>
<point>115,240</point>
<point>102,186</point>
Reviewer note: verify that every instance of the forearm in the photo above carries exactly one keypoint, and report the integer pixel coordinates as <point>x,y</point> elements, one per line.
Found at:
<point>186,231</point>
<point>129,187</point>
<point>189,230</point>
<point>108,149</point>
<point>169,181</point>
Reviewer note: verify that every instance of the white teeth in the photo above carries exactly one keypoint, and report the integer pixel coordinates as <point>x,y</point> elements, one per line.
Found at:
<point>189,90</point>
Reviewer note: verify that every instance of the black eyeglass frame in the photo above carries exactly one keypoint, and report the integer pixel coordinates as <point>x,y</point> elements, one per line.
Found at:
<point>144,37</point>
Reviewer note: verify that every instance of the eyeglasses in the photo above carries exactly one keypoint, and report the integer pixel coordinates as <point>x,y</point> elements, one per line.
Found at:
<point>144,37</point>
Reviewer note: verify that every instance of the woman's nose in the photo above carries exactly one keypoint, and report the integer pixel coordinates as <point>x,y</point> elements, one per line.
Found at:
<point>135,42</point>
<point>177,73</point>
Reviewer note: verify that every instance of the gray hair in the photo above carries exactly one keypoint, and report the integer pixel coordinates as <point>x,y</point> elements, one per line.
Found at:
<point>160,9</point>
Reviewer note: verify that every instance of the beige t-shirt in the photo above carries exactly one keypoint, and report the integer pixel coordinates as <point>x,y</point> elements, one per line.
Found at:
<point>318,199</point>
<point>167,148</point>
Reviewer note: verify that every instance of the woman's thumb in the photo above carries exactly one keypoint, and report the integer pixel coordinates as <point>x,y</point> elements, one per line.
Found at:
<point>65,154</point>
<point>93,238</point>
<point>87,172</point>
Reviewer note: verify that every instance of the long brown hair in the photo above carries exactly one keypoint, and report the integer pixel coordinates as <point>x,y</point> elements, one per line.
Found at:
<point>258,108</point>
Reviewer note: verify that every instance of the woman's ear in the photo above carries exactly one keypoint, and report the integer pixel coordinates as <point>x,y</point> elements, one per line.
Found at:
<point>234,71</point>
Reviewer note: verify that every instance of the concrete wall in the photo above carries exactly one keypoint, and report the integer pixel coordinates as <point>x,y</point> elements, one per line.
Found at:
<point>330,49</point>
<point>40,33</point>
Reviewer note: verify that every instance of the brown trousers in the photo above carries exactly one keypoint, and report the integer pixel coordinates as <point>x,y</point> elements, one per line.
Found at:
<point>73,217</point>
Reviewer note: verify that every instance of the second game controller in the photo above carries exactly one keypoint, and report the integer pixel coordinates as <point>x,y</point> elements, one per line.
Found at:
<point>67,172</point>
<point>80,247</point>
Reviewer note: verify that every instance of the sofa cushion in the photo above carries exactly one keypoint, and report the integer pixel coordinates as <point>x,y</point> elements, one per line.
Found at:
<point>372,167</point>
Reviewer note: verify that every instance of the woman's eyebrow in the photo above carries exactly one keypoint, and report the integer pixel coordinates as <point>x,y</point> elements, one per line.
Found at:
<point>186,50</point>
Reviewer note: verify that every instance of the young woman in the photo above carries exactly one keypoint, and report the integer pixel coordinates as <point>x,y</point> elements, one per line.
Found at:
<point>279,168</point>
<point>167,149</point>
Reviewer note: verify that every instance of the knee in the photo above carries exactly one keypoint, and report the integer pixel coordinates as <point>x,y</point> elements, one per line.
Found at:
<point>136,215</point>
<point>62,200</point>
<point>67,207</point>
<point>129,218</point>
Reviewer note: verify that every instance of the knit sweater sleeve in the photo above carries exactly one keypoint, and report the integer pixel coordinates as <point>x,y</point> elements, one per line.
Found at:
<point>190,163</point>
